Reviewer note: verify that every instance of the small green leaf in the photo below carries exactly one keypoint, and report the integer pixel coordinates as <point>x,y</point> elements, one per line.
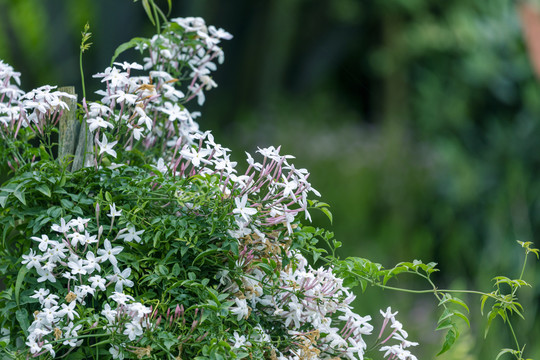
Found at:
<point>451,337</point>
<point>126,46</point>
<point>482,303</point>
<point>460,302</point>
<point>156,238</point>
<point>20,278</point>
<point>22,317</point>
<point>146,7</point>
<point>204,254</point>
<point>328,214</point>
<point>20,196</point>
<point>3,199</point>
<point>67,204</point>
<point>506,351</point>
<point>44,189</point>
<point>491,315</point>
<point>463,316</point>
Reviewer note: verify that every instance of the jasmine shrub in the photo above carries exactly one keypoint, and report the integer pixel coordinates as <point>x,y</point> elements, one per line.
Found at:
<point>161,247</point>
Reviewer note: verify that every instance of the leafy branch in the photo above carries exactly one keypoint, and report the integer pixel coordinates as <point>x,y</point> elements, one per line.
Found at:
<point>154,13</point>
<point>363,272</point>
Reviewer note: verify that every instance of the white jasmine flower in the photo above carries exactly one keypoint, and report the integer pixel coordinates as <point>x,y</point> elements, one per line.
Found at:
<point>62,228</point>
<point>109,313</point>
<point>70,333</point>
<point>116,353</point>
<point>133,330</point>
<point>240,341</point>
<point>45,275</point>
<point>106,147</point>
<point>40,294</point>
<point>68,310</point>
<point>175,112</point>
<point>113,212</point>
<point>32,260</point>
<point>241,310</point>
<point>44,242</point>
<point>97,281</point>
<point>121,298</point>
<point>242,209</point>
<point>109,253</point>
<point>50,300</point>
<point>131,234</point>
<point>89,239</point>
<point>98,122</point>
<point>78,223</point>
<point>91,263</point>
<point>127,66</point>
<point>76,238</point>
<point>76,265</point>
<point>121,279</point>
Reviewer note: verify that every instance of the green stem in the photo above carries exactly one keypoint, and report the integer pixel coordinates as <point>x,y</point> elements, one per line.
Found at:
<point>82,74</point>
<point>514,336</point>
<point>523,268</point>
<point>428,291</point>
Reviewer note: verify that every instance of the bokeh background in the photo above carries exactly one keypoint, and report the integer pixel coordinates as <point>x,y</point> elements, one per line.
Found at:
<point>418,119</point>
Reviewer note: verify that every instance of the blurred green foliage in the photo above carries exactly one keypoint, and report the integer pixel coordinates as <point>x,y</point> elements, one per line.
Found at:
<point>419,120</point>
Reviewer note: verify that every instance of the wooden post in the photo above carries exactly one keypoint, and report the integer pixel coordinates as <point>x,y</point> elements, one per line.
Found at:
<point>74,140</point>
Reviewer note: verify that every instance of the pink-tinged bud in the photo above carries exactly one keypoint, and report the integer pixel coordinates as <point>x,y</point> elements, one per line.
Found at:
<point>177,311</point>
<point>94,325</point>
<point>100,231</point>
<point>201,338</point>
<point>168,312</point>
<point>158,320</point>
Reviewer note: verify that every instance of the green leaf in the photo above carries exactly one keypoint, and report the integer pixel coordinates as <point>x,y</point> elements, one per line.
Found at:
<point>451,337</point>
<point>506,351</point>
<point>128,45</point>
<point>482,303</point>
<point>67,204</point>
<point>491,315</point>
<point>156,238</point>
<point>3,199</point>
<point>463,316</point>
<point>22,317</point>
<point>20,278</point>
<point>457,301</point>
<point>327,212</point>
<point>204,254</point>
<point>146,7</point>
<point>162,270</point>
<point>20,196</point>
<point>44,189</point>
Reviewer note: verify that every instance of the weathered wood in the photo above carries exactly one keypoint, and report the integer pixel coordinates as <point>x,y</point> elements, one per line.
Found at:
<point>75,140</point>
<point>83,149</point>
<point>68,129</point>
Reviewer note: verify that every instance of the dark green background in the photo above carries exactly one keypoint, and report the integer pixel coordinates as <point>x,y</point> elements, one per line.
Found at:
<point>418,119</point>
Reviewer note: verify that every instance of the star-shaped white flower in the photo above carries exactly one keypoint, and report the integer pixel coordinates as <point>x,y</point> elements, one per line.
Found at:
<point>242,209</point>
<point>106,147</point>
